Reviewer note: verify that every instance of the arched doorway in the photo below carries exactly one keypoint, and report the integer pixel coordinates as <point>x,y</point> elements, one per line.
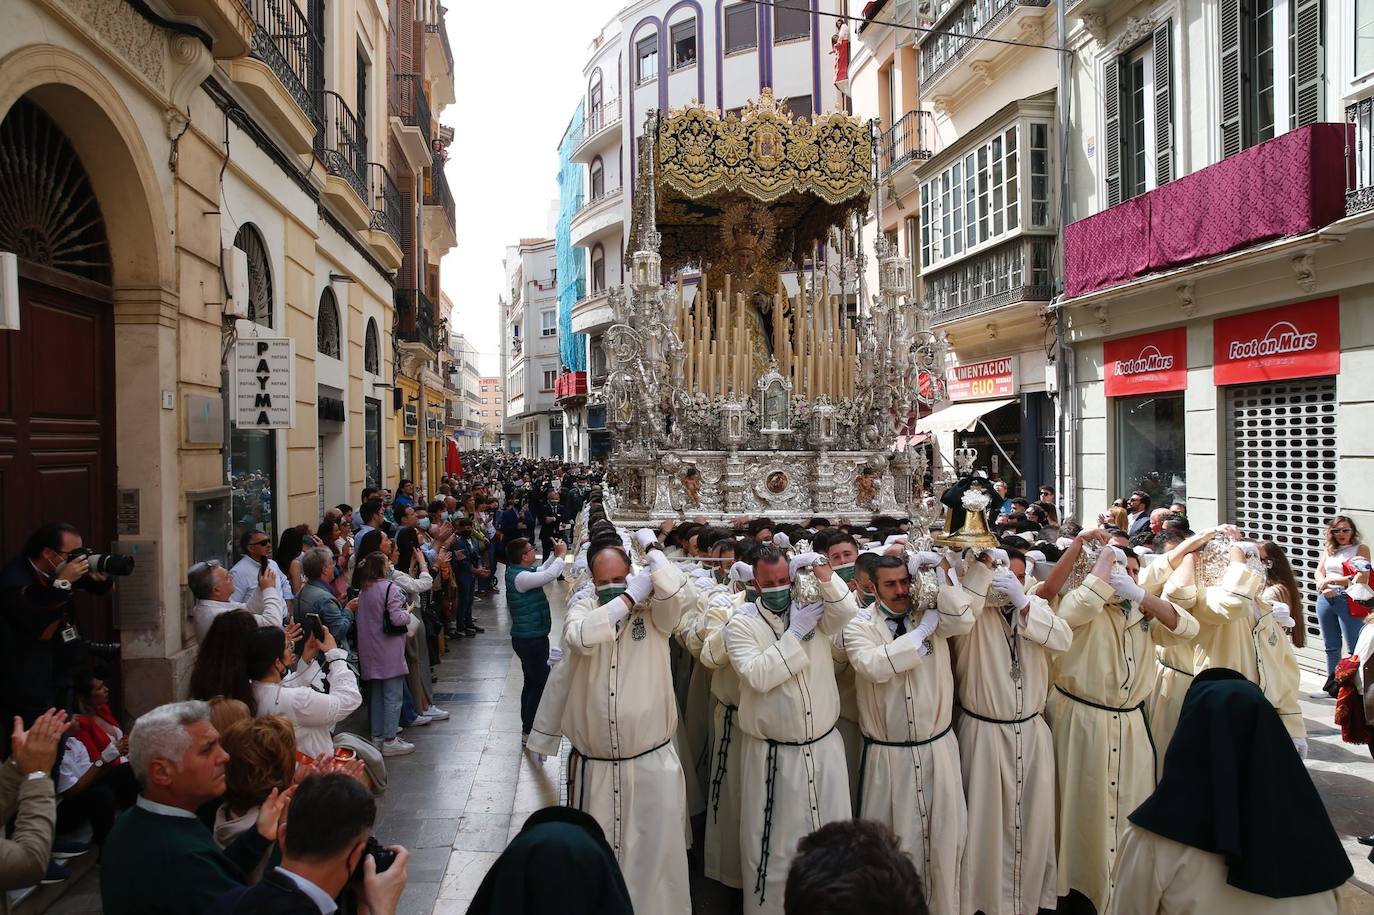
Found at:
<point>57,375</point>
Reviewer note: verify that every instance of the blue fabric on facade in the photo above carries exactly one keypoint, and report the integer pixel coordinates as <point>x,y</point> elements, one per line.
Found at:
<point>572,268</point>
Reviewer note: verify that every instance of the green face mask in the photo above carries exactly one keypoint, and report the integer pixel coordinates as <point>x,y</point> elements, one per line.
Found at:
<point>751,594</point>
<point>610,591</point>
<point>863,598</point>
<point>888,611</point>
<point>845,571</point>
<point>776,599</point>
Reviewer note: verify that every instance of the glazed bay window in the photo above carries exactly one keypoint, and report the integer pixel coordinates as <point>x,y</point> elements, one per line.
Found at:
<point>1019,270</point>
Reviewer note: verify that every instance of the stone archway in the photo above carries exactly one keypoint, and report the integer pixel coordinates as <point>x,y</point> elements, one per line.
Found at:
<point>139,306</point>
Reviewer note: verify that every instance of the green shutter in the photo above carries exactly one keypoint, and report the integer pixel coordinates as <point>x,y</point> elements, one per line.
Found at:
<point>1231,134</point>
<point>1164,103</point>
<point>1310,76</point>
<point>1111,134</point>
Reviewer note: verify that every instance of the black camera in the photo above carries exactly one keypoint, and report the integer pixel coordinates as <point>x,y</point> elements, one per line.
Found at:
<point>104,563</point>
<point>384,857</point>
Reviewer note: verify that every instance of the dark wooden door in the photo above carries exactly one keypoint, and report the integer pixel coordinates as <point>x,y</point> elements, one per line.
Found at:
<point>57,420</point>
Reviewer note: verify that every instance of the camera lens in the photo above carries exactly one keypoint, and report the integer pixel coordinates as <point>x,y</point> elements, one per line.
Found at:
<point>111,563</point>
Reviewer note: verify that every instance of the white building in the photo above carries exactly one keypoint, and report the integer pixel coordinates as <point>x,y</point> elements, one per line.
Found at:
<point>662,54</point>
<point>529,350</point>
<point>1218,278</point>
<point>464,389</point>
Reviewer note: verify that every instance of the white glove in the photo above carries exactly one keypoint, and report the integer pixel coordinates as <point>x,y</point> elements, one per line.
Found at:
<point>781,540</point>
<point>741,572</point>
<point>700,573</point>
<point>998,555</point>
<point>657,560</point>
<point>804,620</point>
<point>1141,551</point>
<point>930,621</point>
<point>1283,614</point>
<point>110,753</point>
<point>1034,556</point>
<point>1249,548</point>
<point>618,611</point>
<point>896,538</point>
<point>1123,584</point>
<point>1010,585</point>
<point>1120,554</point>
<point>555,655</point>
<point>645,537</point>
<point>1300,744</point>
<point>804,561</point>
<point>921,560</point>
<point>639,586</point>
<point>579,567</point>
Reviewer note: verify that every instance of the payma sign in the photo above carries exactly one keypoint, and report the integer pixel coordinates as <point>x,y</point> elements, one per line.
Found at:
<point>982,380</point>
<point>1292,341</point>
<point>1150,363</point>
<point>264,383</point>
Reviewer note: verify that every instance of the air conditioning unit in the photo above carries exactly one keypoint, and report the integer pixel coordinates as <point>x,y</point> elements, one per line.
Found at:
<point>9,291</point>
<point>236,281</point>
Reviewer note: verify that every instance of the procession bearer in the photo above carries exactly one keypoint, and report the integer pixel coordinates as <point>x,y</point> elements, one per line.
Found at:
<point>620,717</point>
<point>909,772</point>
<point>1099,717</point>
<point>792,770</point>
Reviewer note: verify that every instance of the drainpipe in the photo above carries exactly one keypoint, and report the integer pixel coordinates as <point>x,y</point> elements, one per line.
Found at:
<point>1065,376</point>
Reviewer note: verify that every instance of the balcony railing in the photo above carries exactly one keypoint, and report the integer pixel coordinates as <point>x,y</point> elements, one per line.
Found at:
<point>570,384</point>
<point>438,28</point>
<point>341,144</point>
<point>958,33</point>
<point>387,213</point>
<point>437,193</point>
<point>415,318</point>
<point>908,140</point>
<point>605,116</point>
<point>285,42</point>
<point>408,103</point>
<point>593,199</point>
<point>1292,184</point>
<point>1018,271</point>
<point>1359,196</point>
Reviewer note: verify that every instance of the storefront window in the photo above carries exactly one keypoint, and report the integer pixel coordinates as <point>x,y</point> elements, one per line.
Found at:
<point>406,460</point>
<point>372,441</point>
<point>253,477</point>
<point>1150,447</point>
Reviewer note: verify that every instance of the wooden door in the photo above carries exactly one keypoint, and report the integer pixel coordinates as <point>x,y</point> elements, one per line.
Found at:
<point>57,420</point>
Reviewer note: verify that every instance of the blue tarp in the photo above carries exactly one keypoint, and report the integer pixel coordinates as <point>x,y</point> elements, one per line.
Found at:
<point>572,271</point>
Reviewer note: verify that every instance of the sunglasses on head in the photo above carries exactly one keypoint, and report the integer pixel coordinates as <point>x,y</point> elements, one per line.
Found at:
<point>202,566</point>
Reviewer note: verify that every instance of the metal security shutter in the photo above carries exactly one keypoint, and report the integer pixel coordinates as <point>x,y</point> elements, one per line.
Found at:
<point>320,476</point>
<point>1281,477</point>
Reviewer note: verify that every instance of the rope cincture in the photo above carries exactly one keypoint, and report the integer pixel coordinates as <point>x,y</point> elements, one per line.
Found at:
<point>761,875</point>
<point>1138,707</point>
<point>871,741</point>
<point>722,757</point>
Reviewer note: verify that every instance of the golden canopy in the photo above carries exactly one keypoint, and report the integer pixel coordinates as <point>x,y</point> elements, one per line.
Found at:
<point>785,180</point>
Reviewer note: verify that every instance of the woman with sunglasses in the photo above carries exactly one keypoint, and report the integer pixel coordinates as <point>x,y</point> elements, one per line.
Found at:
<point>1333,607</point>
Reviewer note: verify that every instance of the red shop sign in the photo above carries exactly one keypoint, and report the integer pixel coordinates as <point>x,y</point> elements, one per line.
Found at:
<point>982,380</point>
<point>1292,341</point>
<point>1148,364</point>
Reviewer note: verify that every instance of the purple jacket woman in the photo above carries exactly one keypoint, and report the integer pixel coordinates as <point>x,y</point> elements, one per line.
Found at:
<point>382,656</point>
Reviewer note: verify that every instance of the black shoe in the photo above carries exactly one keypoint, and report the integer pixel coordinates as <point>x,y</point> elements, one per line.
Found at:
<point>56,874</point>
<point>476,628</point>
<point>64,849</point>
<point>1365,840</point>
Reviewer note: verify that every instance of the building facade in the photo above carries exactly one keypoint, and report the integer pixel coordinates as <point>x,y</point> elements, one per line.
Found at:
<point>229,294</point>
<point>464,388</point>
<point>1224,362</point>
<point>570,389</point>
<point>492,411</point>
<point>657,55</point>
<point>533,423</point>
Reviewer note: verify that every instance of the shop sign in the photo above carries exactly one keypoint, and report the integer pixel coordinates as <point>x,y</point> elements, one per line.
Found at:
<point>1292,341</point>
<point>1147,364</point>
<point>982,380</point>
<point>412,419</point>
<point>264,383</point>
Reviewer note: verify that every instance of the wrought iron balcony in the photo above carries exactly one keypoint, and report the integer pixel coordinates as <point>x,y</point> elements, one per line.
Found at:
<point>1292,184</point>
<point>911,139</point>
<point>415,318</point>
<point>437,193</point>
<point>958,32</point>
<point>408,103</point>
<point>285,42</point>
<point>438,28</point>
<point>341,144</point>
<point>387,213</point>
<point>1017,271</point>
<point>1359,196</point>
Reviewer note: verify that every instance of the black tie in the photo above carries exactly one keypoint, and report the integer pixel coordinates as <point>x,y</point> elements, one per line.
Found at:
<point>901,627</point>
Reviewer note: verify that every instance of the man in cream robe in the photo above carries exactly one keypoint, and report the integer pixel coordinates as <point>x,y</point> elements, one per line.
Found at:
<point>1104,753</point>
<point>620,716</point>
<point>1002,670</point>
<point>909,770</point>
<point>793,778</point>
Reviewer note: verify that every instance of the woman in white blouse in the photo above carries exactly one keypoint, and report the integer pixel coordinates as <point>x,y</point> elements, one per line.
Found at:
<point>1333,606</point>
<point>268,656</point>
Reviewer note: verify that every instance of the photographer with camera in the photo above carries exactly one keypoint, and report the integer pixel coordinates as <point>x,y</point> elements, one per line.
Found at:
<point>36,591</point>
<point>268,656</point>
<point>326,850</point>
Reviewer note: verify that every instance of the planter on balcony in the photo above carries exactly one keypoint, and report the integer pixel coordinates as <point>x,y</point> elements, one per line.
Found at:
<point>1289,185</point>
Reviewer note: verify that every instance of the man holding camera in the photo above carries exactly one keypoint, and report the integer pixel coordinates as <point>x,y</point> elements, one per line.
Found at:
<point>36,590</point>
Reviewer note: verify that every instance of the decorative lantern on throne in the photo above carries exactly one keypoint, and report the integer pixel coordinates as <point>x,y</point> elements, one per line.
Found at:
<point>824,425</point>
<point>647,270</point>
<point>732,431</point>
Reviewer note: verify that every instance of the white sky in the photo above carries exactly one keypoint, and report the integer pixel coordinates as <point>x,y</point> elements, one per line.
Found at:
<point>517,85</point>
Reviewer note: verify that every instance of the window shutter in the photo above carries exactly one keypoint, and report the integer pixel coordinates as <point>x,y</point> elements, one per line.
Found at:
<point>1310,76</point>
<point>1231,136</point>
<point>1164,103</point>
<point>1111,142</point>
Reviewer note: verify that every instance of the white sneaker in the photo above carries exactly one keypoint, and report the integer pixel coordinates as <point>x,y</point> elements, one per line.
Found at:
<point>420,721</point>
<point>397,747</point>
<point>434,713</point>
